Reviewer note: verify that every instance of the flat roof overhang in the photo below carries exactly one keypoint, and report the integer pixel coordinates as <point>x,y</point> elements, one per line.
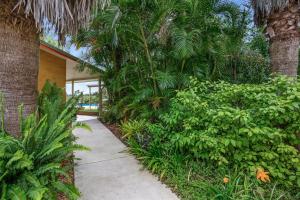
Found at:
<point>72,62</point>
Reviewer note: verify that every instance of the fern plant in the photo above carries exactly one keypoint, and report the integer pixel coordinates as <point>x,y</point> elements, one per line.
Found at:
<point>51,101</point>
<point>30,166</point>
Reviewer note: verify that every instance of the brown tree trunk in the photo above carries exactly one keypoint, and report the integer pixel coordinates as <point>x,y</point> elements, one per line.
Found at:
<point>19,64</point>
<point>282,29</point>
<point>284,56</point>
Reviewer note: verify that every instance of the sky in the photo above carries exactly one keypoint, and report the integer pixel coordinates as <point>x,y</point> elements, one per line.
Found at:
<point>82,87</point>
<point>239,1</point>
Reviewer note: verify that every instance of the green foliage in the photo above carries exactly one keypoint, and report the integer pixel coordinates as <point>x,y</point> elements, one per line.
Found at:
<point>229,126</point>
<point>30,166</point>
<point>196,180</point>
<point>136,130</point>
<point>85,99</point>
<point>149,49</point>
<point>248,126</point>
<point>51,101</point>
<point>132,128</point>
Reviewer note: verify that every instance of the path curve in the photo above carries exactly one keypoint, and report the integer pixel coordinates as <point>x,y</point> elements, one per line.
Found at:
<point>107,172</point>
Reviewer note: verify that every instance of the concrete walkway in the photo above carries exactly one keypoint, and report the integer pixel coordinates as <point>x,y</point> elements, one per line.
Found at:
<point>107,172</point>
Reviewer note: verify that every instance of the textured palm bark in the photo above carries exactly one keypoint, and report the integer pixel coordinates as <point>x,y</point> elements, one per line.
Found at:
<point>283,31</point>
<point>19,61</point>
<point>284,56</point>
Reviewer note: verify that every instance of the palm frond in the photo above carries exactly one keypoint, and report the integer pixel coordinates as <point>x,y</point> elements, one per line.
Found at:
<point>66,16</point>
<point>264,8</point>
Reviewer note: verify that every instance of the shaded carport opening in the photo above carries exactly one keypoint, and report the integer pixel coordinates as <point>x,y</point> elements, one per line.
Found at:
<point>76,71</point>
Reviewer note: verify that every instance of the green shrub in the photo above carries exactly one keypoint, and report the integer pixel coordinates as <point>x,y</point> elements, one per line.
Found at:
<point>132,127</point>
<point>51,101</point>
<point>136,130</point>
<point>30,166</point>
<point>194,180</point>
<point>244,126</point>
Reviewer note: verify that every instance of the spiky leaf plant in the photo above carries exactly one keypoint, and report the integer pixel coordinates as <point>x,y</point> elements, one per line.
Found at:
<point>30,166</point>
<point>51,101</point>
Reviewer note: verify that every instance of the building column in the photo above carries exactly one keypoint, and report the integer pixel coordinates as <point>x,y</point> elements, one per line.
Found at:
<point>73,87</point>
<point>100,98</point>
<point>90,98</point>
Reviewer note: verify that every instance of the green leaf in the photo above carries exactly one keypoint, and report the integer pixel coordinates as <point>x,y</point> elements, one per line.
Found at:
<point>16,193</point>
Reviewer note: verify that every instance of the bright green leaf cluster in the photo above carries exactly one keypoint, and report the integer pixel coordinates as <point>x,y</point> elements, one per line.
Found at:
<point>244,126</point>
<point>30,166</point>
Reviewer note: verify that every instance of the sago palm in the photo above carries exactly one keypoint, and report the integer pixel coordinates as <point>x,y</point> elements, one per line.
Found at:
<point>21,22</point>
<point>281,19</point>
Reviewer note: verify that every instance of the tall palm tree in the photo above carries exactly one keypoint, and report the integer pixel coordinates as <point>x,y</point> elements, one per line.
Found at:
<point>281,19</point>
<point>21,22</point>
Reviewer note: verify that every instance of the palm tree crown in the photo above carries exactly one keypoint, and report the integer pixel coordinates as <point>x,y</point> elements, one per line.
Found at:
<point>264,8</point>
<point>66,16</point>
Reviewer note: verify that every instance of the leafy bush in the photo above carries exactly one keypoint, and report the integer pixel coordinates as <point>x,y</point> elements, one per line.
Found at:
<point>193,180</point>
<point>30,166</point>
<point>136,129</point>
<point>51,101</point>
<point>245,126</point>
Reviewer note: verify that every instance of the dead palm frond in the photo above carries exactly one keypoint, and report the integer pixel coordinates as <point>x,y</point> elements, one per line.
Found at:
<point>66,16</point>
<point>264,8</point>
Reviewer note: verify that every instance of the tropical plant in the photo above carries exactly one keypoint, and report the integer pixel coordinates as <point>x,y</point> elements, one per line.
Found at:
<point>132,128</point>
<point>148,49</point>
<point>193,179</point>
<point>21,23</point>
<point>249,130</point>
<point>31,165</point>
<point>249,126</point>
<point>280,17</point>
<point>51,101</point>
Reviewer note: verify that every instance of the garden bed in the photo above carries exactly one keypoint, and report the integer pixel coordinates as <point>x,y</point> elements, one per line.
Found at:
<point>115,129</point>
<point>92,112</point>
<point>68,164</point>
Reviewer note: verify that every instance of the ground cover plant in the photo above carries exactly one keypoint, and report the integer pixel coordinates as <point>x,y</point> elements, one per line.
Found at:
<point>31,165</point>
<point>247,133</point>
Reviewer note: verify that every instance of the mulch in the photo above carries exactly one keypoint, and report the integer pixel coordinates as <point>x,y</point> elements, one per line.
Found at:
<point>70,164</point>
<point>115,129</point>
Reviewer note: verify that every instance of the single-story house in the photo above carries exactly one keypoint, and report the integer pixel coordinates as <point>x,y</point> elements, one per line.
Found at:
<point>59,67</point>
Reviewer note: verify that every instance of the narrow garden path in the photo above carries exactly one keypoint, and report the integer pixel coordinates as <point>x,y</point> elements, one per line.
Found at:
<point>108,172</point>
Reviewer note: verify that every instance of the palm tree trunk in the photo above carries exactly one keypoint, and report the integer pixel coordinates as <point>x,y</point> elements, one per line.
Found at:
<point>19,61</point>
<point>282,29</point>
<point>284,56</point>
